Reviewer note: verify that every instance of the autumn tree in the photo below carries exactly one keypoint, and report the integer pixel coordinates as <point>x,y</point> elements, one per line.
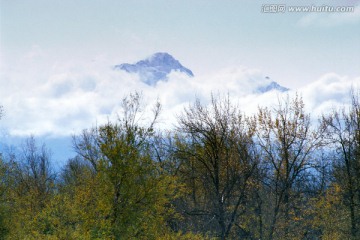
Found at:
<point>3,190</point>
<point>287,144</point>
<point>135,194</point>
<point>4,206</point>
<point>216,162</point>
<point>343,134</point>
<point>30,186</point>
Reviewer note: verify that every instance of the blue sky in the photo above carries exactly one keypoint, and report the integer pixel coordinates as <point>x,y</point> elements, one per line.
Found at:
<point>56,56</point>
<point>205,35</point>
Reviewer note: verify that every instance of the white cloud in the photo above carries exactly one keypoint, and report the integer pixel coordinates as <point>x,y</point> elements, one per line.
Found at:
<point>330,91</point>
<point>59,99</point>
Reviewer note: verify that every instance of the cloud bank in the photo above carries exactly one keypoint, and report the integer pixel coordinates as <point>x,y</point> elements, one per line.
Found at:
<point>50,98</point>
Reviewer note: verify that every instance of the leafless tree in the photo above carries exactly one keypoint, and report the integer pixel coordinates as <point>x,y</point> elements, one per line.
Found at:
<point>218,163</point>
<point>287,142</point>
<point>343,133</point>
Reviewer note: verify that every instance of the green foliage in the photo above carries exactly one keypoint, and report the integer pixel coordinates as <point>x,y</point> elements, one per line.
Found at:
<point>219,175</point>
<point>131,191</point>
<point>330,214</point>
<point>4,206</point>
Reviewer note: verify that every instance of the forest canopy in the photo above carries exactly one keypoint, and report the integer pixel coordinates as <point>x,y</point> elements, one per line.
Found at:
<point>219,174</point>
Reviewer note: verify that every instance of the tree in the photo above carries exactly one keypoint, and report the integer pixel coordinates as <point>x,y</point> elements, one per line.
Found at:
<point>4,206</point>
<point>287,143</point>
<point>330,214</point>
<point>343,134</point>
<point>217,163</point>
<point>135,194</point>
<point>30,182</point>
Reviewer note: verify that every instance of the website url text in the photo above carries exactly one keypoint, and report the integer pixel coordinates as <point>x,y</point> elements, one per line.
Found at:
<point>282,8</point>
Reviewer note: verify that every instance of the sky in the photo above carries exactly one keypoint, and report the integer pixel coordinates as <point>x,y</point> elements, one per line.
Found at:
<point>56,57</point>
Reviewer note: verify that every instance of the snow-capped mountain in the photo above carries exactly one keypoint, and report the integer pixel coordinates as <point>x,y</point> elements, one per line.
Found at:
<point>271,86</point>
<point>159,65</point>
<point>155,68</point>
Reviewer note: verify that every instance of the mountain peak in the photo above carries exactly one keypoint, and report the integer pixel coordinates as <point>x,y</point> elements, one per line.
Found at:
<point>155,68</point>
<point>272,86</point>
<point>162,57</point>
